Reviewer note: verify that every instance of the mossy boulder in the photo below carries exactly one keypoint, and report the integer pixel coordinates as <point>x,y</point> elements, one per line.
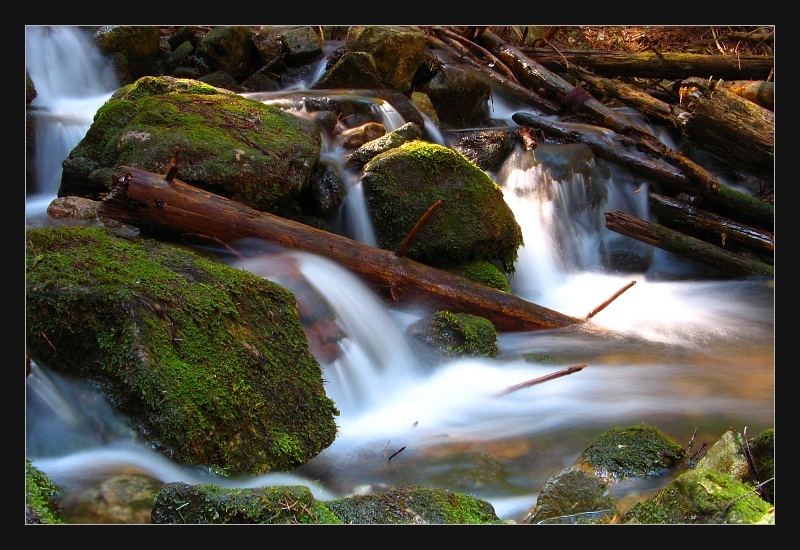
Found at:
<point>413,504</point>
<point>570,496</point>
<point>210,363</point>
<point>230,145</point>
<point>632,452</point>
<point>179,503</point>
<point>473,222</point>
<point>397,52</point>
<point>701,496</point>
<point>449,334</point>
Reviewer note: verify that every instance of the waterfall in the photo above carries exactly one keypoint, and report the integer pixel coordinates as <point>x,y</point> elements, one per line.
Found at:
<point>72,80</point>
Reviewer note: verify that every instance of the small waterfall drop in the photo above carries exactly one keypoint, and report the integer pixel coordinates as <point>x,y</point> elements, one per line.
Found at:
<point>72,80</point>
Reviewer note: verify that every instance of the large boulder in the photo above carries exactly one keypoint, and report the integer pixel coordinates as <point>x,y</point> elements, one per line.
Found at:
<point>473,222</point>
<point>230,145</point>
<point>210,363</point>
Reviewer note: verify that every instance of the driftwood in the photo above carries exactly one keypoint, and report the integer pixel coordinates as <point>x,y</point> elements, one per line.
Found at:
<point>737,130</point>
<point>545,378</point>
<point>668,66</point>
<point>711,227</point>
<point>686,246</point>
<point>615,149</point>
<point>175,208</point>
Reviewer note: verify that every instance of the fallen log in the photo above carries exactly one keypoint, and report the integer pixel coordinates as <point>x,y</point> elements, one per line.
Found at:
<point>735,129</point>
<point>174,208</point>
<point>664,66</point>
<point>686,246</point>
<point>710,227</point>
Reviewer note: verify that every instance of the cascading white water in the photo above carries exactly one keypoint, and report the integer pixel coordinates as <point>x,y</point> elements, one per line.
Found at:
<point>72,80</point>
<point>678,353</point>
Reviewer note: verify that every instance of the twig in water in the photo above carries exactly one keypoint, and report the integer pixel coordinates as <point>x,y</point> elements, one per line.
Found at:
<point>559,374</point>
<point>397,452</point>
<point>605,304</point>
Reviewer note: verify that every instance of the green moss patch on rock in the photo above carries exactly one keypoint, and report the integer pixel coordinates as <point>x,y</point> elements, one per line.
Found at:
<point>233,146</point>
<point>451,334</point>
<point>210,363</point>
<point>701,496</point>
<point>636,451</point>
<point>179,503</point>
<point>413,505</point>
<point>40,492</point>
<point>473,222</point>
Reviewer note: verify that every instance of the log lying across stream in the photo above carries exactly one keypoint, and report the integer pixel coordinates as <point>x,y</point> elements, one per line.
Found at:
<point>172,207</point>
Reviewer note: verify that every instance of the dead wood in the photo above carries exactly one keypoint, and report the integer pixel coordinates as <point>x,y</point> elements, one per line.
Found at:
<point>146,200</point>
<point>686,246</point>
<point>605,304</point>
<point>534,381</point>
<point>734,129</point>
<point>514,89</point>
<point>710,227</point>
<point>401,251</point>
<point>668,66</point>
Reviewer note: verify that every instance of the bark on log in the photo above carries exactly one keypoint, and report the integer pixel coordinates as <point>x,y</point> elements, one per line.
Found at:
<point>666,66</point>
<point>615,149</point>
<point>710,227</point>
<point>175,208</point>
<point>736,130</point>
<point>733,128</point>
<point>686,246</point>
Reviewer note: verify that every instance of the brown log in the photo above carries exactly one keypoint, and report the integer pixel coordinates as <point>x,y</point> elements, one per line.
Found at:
<point>664,66</point>
<point>733,128</point>
<point>686,246</point>
<point>736,130</point>
<point>175,208</point>
<point>711,227</point>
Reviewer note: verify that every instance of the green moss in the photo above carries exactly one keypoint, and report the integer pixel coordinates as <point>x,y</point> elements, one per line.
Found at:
<point>472,223</point>
<point>413,504</point>
<point>485,273</point>
<point>701,496</point>
<point>39,494</point>
<point>463,334</point>
<point>637,451</point>
<point>210,362</point>
<point>212,504</point>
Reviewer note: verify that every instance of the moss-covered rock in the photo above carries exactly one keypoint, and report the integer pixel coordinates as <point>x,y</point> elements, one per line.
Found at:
<point>39,496</point>
<point>211,504</point>
<point>635,451</point>
<point>571,494</point>
<point>483,272</point>
<point>210,363</point>
<point>473,222</point>
<point>451,334</point>
<point>236,147</point>
<point>701,496</point>
<point>413,505</point>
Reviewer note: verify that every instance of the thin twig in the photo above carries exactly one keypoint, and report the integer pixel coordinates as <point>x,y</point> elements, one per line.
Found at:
<point>605,304</point>
<point>417,226</point>
<point>533,382</point>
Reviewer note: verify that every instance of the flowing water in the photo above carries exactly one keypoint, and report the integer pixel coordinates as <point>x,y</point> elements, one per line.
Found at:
<point>682,349</point>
